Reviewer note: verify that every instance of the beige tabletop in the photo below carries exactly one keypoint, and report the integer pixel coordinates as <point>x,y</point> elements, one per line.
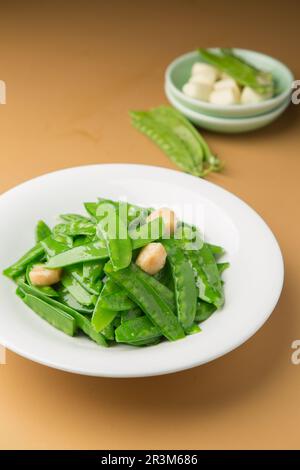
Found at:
<point>72,73</point>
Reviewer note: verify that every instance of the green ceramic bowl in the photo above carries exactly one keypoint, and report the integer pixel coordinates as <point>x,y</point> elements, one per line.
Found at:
<point>225,124</point>
<point>179,71</point>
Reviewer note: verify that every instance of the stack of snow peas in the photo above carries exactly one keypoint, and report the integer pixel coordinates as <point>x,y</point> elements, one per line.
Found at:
<point>103,291</point>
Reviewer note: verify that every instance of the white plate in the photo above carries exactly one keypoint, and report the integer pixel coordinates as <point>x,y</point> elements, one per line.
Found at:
<point>253,282</point>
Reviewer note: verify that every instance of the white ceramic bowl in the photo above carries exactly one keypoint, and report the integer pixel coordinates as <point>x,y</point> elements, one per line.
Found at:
<point>252,283</point>
<point>223,124</point>
<point>178,73</point>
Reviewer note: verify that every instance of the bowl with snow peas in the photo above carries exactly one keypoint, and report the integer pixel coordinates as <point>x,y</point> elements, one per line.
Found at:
<point>229,83</point>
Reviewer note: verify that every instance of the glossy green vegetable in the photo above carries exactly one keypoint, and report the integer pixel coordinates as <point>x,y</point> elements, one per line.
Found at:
<point>164,292</point>
<point>74,218</point>
<point>222,267</point>
<point>131,314</point>
<point>52,247</point>
<point>207,275</point>
<point>184,283</point>
<point>93,270</point>
<point>178,138</point>
<point>216,250</point>
<point>204,311</point>
<point>76,290</point>
<point>53,315</point>
<point>114,232</point>
<point>72,229</point>
<point>42,231</point>
<point>137,332</point>
<point>244,73</point>
<point>35,254</point>
<point>66,298</point>
<point>82,322</point>
<point>93,287</point>
<point>102,317</point>
<point>148,300</point>
<point>79,254</point>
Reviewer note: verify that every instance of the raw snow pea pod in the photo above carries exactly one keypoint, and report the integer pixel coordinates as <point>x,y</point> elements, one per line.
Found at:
<point>76,290</point>
<point>82,322</point>
<point>184,283</point>
<point>53,315</point>
<point>143,294</point>
<point>204,311</point>
<point>42,231</point>
<point>79,254</point>
<point>137,331</point>
<point>47,290</point>
<point>35,254</point>
<point>207,275</point>
<point>114,231</point>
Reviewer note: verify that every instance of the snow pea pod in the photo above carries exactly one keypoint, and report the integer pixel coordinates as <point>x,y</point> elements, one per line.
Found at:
<point>216,250</point>
<point>93,270</point>
<point>143,294</point>
<point>53,247</point>
<point>184,283</point>
<point>66,298</point>
<point>222,267</point>
<point>79,254</point>
<point>204,311</point>
<point>91,208</point>
<point>109,332</point>
<point>137,331</point>
<point>102,317</point>
<point>131,314</point>
<point>42,231</point>
<point>114,231</point>
<point>53,315</point>
<point>207,275</point>
<point>74,218</point>
<point>73,229</point>
<point>34,254</point>
<point>82,322</point>
<point>92,287</point>
<point>164,292</point>
<point>76,290</point>
<point>111,300</point>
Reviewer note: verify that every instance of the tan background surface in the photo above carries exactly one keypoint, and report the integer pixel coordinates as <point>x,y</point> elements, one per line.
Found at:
<point>72,74</point>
